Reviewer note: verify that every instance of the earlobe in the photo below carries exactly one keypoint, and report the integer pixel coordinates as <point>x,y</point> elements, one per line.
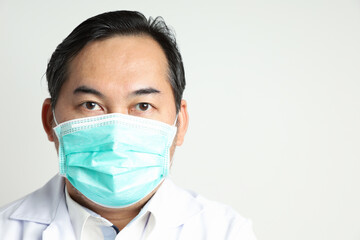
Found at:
<point>183,122</point>
<point>47,119</point>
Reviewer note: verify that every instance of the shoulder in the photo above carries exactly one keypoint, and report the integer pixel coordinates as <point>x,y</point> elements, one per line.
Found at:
<point>9,227</point>
<point>43,196</point>
<point>207,217</point>
<point>225,220</point>
<point>218,210</point>
<point>36,208</point>
<point>8,209</point>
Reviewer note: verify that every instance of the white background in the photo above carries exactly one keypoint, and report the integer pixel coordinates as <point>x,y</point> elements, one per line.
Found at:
<point>273,94</point>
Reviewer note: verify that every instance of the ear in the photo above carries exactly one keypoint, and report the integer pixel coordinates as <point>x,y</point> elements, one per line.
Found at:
<point>182,123</point>
<point>47,119</point>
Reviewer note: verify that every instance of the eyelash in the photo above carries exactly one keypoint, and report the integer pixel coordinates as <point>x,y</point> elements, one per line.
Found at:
<point>84,105</point>
<point>90,102</point>
<point>149,106</point>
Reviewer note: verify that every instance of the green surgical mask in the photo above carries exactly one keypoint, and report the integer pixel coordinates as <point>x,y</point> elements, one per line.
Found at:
<point>115,160</point>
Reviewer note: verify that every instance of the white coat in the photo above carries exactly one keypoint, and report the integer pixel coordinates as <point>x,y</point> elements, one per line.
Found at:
<point>43,215</point>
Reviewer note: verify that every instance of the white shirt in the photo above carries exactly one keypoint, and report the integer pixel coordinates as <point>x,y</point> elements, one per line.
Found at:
<point>88,225</point>
<point>172,213</point>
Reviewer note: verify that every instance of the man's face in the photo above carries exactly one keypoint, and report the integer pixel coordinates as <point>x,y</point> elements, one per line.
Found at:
<point>122,74</point>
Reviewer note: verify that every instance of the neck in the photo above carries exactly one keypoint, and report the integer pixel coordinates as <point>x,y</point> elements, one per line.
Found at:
<point>120,217</point>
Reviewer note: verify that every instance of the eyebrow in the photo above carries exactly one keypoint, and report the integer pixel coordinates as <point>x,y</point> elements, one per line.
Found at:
<point>145,91</point>
<point>88,90</point>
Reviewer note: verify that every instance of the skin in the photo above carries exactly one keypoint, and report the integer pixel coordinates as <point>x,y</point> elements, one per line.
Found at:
<point>121,74</point>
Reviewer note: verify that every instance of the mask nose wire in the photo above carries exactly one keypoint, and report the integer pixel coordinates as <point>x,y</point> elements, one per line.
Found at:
<point>53,112</point>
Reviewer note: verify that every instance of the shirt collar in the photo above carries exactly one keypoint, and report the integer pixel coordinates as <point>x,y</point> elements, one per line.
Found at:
<point>172,206</point>
<point>80,215</point>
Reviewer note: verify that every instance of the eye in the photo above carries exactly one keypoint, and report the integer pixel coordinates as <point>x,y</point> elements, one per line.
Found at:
<point>91,106</point>
<point>143,107</point>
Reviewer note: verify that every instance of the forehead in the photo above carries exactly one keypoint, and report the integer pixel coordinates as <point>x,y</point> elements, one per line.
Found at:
<point>120,60</point>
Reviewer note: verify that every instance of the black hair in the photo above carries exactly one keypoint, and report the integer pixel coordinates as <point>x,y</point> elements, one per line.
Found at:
<point>107,25</point>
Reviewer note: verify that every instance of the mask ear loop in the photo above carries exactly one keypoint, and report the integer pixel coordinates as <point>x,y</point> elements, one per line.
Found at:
<point>53,112</point>
<point>176,118</point>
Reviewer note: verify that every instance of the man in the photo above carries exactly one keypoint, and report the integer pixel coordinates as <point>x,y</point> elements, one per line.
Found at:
<point>116,114</point>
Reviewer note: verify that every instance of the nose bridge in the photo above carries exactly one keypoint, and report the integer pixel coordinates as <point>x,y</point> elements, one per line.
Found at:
<point>119,107</point>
